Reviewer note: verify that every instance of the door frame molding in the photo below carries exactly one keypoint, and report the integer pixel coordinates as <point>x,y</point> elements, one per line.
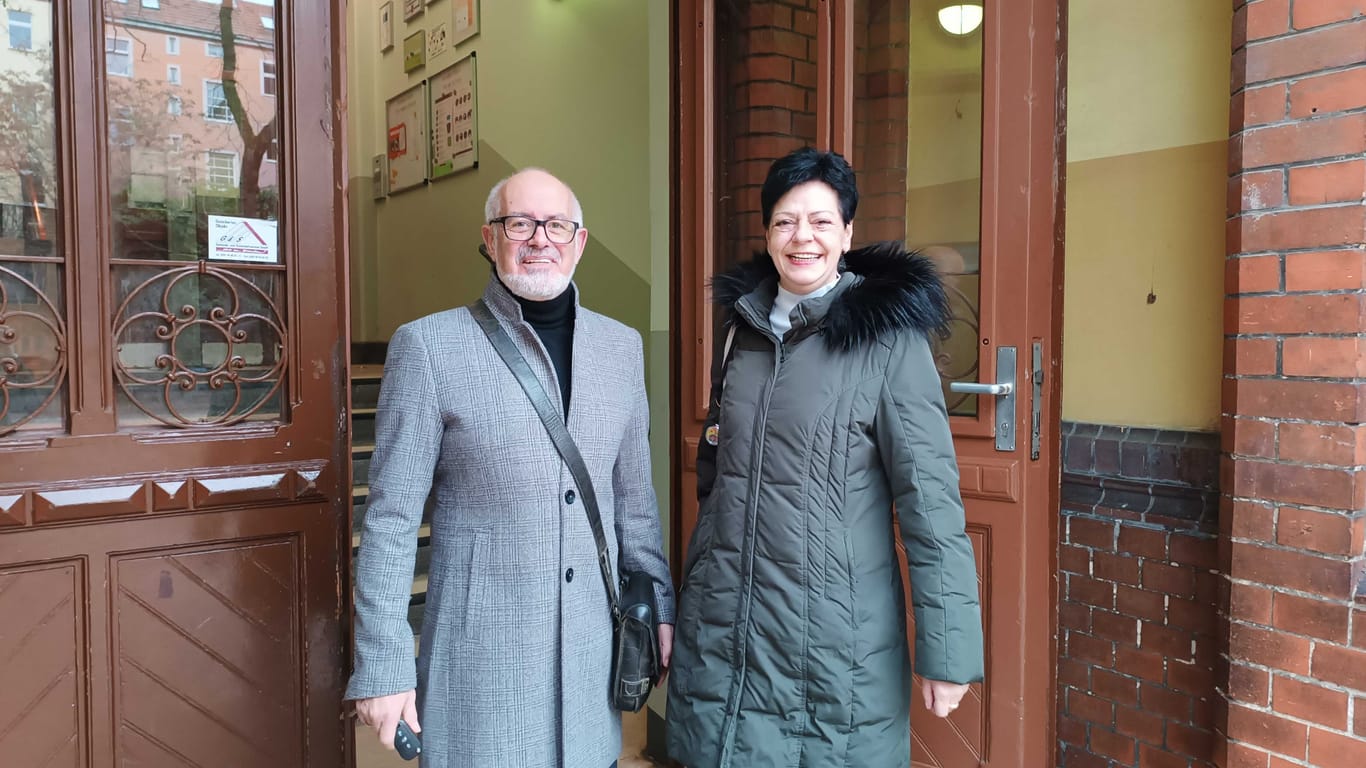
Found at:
<point>693,255</point>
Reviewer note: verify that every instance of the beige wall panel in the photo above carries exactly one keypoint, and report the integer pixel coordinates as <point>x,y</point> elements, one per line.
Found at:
<point>1148,222</point>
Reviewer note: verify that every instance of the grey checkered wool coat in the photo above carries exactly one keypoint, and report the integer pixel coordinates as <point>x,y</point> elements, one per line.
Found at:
<point>515,655</point>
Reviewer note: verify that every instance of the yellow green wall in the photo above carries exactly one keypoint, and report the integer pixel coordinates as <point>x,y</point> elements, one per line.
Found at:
<point>580,87</point>
<point>1147,132</point>
<point>570,86</point>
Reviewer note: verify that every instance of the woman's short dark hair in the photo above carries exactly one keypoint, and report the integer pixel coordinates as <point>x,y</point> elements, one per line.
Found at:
<point>810,164</point>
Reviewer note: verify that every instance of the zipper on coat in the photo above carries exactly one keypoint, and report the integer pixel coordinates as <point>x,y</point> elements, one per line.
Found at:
<point>751,524</point>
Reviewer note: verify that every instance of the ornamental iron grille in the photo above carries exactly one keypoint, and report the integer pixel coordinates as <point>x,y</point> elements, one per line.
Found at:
<point>200,346</point>
<point>33,349</point>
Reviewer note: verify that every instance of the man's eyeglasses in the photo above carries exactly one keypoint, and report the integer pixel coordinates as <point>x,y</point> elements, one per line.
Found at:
<point>522,228</point>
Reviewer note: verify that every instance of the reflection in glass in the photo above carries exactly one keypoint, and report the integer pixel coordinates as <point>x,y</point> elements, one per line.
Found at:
<point>194,178</point>
<point>918,153</point>
<point>766,88</point>
<point>191,126</point>
<point>33,344</point>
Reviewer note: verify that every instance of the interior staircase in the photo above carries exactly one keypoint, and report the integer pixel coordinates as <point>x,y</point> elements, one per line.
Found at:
<point>364,398</point>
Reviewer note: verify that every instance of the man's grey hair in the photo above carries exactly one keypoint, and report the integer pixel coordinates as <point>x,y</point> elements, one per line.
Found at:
<point>495,200</point>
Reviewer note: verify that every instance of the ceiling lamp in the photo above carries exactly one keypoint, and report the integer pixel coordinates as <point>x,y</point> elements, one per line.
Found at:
<point>961,18</point>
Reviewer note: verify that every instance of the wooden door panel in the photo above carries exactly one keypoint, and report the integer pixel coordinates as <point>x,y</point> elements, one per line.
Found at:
<point>208,653</point>
<point>223,652</point>
<point>42,663</point>
<point>173,412</point>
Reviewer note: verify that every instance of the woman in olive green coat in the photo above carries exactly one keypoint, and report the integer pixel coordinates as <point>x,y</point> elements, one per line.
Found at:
<point>827,410</point>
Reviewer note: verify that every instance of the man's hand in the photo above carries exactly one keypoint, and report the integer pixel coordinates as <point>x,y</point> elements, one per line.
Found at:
<point>383,713</point>
<point>943,698</point>
<point>666,650</point>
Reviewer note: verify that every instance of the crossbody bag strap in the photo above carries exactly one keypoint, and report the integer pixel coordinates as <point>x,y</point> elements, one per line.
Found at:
<point>559,433</point>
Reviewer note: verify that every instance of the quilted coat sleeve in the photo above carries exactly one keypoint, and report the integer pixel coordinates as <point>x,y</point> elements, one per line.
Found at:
<point>637,511</point>
<point>408,428</point>
<point>917,452</point>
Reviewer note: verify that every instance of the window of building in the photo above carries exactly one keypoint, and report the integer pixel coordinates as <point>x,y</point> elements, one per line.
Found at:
<point>213,50</point>
<point>273,151</point>
<point>173,74</point>
<point>118,56</point>
<point>174,106</point>
<point>268,78</point>
<point>151,3</point>
<point>20,31</point>
<point>222,170</point>
<point>121,128</point>
<point>172,45</point>
<point>176,141</point>
<point>268,22</point>
<point>216,103</point>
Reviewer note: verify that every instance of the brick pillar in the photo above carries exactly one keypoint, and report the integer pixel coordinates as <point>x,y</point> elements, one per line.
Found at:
<point>1292,521</point>
<point>767,68</point>
<point>882,63</point>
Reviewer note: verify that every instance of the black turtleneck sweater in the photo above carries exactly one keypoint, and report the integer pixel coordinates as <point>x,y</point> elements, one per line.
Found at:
<point>553,321</point>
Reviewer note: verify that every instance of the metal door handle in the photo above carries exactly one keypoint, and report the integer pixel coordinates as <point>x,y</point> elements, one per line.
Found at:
<point>974,388</point>
<point>1004,392</point>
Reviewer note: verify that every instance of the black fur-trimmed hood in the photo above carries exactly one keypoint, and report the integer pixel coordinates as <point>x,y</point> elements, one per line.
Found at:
<point>896,290</point>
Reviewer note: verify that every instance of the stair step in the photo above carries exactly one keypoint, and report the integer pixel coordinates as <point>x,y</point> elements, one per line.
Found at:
<point>362,448</point>
<point>364,411</point>
<point>360,470</point>
<point>367,372</point>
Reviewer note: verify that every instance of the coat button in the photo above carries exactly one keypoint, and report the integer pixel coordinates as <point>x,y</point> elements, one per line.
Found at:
<point>569,575</point>
<point>569,496</point>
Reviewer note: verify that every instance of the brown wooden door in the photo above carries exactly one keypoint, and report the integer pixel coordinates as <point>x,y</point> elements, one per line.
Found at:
<point>173,524</point>
<point>956,141</point>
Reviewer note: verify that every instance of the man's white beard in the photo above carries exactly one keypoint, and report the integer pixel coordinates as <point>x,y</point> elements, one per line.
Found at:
<point>541,285</point>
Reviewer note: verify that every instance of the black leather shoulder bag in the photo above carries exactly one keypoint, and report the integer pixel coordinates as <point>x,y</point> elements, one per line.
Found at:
<point>635,642</point>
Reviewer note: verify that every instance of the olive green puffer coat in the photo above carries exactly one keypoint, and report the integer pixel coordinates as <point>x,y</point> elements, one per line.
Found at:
<point>791,639</point>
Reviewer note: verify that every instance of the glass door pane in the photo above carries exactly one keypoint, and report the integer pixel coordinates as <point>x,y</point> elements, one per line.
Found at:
<point>33,337</point>
<point>917,116</point>
<point>198,273</point>
<point>766,96</point>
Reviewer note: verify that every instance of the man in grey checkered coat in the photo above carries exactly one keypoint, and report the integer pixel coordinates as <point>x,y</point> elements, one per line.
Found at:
<point>515,657</point>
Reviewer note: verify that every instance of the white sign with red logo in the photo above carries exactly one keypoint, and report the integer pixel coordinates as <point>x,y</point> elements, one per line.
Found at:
<point>232,238</point>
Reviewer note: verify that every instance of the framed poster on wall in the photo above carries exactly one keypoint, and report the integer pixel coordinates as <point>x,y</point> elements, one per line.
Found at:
<point>464,20</point>
<point>386,26</point>
<point>406,131</point>
<point>414,51</point>
<point>454,113</point>
<point>438,40</point>
<point>412,9</point>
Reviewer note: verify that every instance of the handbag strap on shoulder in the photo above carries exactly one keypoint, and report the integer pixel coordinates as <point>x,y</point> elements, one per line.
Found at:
<point>559,433</point>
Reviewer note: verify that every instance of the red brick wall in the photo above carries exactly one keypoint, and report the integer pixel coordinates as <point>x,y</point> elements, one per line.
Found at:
<point>767,75</point>
<point>1137,619</point>
<point>1295,389</point>
<point>767,88</point>
<point>881,113</point>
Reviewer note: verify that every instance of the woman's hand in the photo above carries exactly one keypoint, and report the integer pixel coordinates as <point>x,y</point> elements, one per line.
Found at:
<point>943,698</point>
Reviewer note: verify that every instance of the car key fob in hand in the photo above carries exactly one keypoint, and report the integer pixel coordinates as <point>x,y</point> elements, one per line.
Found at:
<point>406,742</point>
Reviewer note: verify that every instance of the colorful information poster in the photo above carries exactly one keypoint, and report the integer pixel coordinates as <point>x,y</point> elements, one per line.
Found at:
<point>406,123</point>
<point>464,20</point>
<point>455,118</point>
